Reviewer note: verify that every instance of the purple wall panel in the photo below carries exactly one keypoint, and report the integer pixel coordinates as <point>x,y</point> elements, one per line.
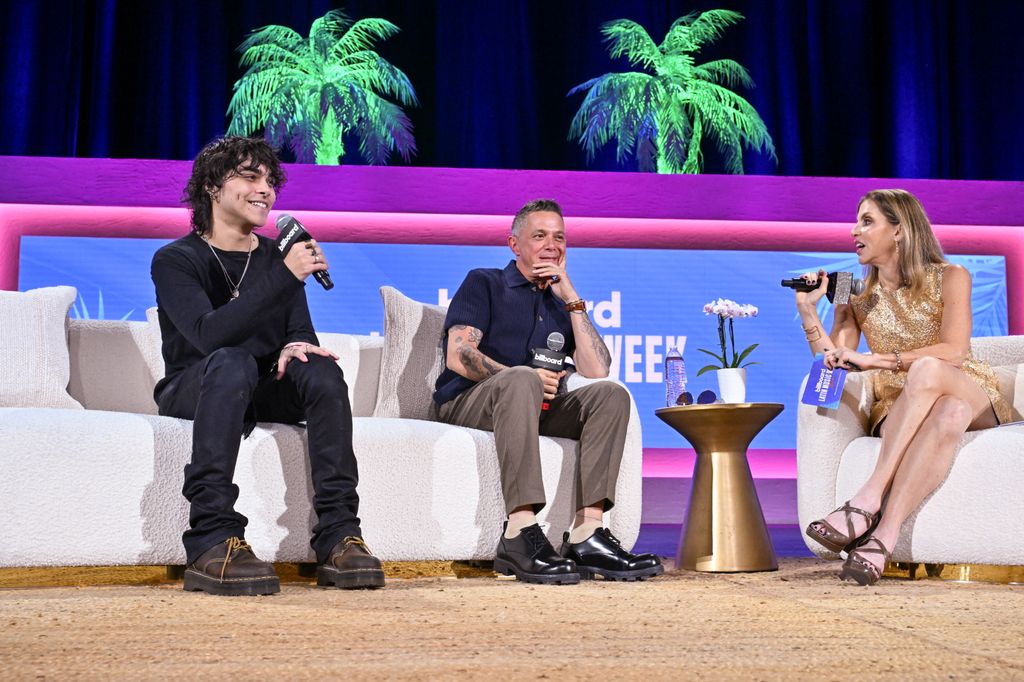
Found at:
<point>131,182</point>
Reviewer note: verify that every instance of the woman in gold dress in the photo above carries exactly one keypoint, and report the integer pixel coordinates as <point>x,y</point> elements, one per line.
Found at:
<point>915,314</point>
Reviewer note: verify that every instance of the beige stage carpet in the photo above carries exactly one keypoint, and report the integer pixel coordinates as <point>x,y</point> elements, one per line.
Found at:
<point>799,622</point>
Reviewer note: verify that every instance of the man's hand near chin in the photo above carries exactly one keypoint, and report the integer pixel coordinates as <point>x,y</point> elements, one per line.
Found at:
<point>554,275</point>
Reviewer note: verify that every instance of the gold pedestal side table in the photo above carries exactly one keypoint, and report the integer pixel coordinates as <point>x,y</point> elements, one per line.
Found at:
<point>724,530</point>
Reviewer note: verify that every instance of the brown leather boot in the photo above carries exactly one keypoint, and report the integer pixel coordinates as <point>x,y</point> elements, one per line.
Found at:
<point>231,569</point>
<point>350,566</point>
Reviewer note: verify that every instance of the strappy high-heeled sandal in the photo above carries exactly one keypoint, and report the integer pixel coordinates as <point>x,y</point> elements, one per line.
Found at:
<point>826,535</point>
<point>859,569</point>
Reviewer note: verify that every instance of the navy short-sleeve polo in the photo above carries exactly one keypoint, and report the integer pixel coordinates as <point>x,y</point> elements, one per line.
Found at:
<point>514,316</point>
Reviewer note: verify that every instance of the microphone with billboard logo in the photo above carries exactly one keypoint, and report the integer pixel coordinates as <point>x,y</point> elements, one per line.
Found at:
<point>549,358</point>
<point>290,232</point>
<point>841,285</point>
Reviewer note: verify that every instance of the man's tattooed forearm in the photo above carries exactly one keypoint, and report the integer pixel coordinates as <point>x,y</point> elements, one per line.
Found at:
<point>462,332</point>
<point>596,342</point>
<point>477,365</point>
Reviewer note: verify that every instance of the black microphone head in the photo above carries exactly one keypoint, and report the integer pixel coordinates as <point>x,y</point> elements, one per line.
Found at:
<point>290,231</point>
<point>556,341</point>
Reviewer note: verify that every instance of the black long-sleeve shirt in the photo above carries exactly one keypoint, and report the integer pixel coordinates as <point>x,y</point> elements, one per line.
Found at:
<point>198,315</point>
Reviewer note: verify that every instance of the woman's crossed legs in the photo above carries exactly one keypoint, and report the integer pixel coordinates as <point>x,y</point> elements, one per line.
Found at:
<point>939,403</point>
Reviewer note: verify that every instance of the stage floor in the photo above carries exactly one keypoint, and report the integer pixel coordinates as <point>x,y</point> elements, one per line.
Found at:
<point>799,622</point>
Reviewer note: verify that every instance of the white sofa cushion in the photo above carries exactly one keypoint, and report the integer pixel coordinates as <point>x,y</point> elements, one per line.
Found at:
<point>359,358</point>
<point>90,487</point>
<point>428,490</point>
<point>34,363</point>
<point>115,365</point>
<point>412,357</point>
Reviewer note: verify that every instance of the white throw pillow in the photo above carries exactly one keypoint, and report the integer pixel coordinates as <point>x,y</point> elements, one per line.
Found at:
<point>412,358</point>
<point>34,361</point>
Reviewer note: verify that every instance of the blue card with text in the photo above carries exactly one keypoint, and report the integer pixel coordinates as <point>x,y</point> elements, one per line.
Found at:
<point>824,385</point>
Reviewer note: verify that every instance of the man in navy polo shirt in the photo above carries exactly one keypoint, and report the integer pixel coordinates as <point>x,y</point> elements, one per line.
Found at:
<point>494,320</point>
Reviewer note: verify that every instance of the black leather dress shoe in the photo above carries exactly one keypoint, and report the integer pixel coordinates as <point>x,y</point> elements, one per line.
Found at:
<point>602,554</point>
<point>231,569</point>
<point>350,566</point>
<point>531,558</point>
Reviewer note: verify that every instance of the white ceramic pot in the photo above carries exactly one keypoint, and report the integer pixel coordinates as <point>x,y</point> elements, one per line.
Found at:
<point>732,385</point>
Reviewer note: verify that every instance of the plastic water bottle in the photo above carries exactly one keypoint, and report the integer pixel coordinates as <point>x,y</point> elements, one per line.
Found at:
<point>675,376</point>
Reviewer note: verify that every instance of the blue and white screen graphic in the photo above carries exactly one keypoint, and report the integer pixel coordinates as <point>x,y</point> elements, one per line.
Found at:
<point>643,302</point>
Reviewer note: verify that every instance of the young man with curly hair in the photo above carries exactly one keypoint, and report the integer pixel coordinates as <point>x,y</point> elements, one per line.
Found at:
<point>239,345</point>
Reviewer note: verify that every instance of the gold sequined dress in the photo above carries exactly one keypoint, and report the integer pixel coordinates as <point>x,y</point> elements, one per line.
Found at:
<point>891,322</point>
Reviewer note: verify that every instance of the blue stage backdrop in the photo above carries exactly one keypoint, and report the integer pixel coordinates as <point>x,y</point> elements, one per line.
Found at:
<point>643,302</point>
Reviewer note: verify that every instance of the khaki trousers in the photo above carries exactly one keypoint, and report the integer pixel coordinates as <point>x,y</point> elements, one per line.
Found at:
<point>509,404</point>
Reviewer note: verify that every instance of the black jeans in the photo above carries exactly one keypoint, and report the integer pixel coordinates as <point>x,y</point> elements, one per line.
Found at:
<point>217,394</point>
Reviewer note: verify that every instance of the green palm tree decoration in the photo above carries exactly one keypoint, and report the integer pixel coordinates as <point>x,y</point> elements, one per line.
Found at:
<point>662,119</point>
<point>310,92</point>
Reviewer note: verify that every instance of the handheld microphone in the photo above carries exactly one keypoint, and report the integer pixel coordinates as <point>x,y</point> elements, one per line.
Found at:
<point>549,358</point>
<point>291,231</point>
<point>841,285</point>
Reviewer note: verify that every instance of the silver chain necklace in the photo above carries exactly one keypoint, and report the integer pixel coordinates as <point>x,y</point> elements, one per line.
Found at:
<point>231,283</point>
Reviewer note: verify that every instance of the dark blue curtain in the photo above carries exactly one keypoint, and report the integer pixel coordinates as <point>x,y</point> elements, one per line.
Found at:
<point>908,88</point>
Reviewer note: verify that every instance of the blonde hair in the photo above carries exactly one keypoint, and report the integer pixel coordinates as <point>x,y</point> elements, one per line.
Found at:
<point>917,249</point>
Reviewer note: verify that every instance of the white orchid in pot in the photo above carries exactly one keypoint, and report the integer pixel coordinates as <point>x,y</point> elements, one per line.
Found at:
<point>732,375</point>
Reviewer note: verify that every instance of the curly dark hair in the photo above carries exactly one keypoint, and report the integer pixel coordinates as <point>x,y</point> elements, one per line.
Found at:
<point>218,161</point>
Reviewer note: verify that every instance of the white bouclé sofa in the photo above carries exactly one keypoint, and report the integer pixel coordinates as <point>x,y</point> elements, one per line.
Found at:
<point>102,485</point>
<point>976,516</point>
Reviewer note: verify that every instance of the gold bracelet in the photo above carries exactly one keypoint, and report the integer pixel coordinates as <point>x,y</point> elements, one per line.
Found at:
<point>807,333</point>
<point>578,304</point>
<point>899,362</point>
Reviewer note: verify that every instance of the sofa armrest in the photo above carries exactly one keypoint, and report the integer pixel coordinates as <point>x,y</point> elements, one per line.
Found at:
<point>999,350</point>
<point>822,436</point>
<point>1005,354</point>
